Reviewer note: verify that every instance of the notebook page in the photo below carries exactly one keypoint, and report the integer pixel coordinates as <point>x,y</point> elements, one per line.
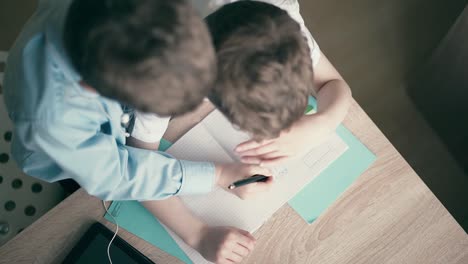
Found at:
<point>222,208</point>
<point>229,137</point>
<point>224,132</point>
<point>193,146</point>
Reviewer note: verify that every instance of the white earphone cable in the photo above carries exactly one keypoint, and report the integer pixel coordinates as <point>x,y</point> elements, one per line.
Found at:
<point>115,233</point>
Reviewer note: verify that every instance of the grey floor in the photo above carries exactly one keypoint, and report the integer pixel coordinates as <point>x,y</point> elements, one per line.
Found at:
<point>377,46</point>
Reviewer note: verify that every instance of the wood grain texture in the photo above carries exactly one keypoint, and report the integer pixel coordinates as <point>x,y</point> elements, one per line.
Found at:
<point>378,46</point>
<point>387,216</point>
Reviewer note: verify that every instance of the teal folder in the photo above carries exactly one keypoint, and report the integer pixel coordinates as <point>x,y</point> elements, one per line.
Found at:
<point>313,199</point>
<point>309,203</point>
<point>133,217</point>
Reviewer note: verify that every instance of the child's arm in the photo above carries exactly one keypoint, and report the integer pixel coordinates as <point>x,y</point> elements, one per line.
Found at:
<point>216,244</point>
<point>219,244</point>
<point>333,99</point>
<point>333,94</point>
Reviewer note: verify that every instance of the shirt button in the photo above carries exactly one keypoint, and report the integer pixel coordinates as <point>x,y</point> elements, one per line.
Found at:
<point>124,119</point>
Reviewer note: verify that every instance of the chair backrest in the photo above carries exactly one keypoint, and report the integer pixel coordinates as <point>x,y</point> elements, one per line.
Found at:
<point>23,199</point>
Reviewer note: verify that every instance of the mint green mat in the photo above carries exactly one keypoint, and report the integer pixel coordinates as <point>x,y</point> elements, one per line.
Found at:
<point>309,203</point>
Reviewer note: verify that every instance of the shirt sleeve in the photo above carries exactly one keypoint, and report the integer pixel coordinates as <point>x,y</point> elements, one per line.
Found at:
<point>112,171</point>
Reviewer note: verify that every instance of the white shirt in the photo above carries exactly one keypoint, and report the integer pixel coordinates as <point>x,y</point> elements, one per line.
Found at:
<point>149,127</point>
<point>206,7</point>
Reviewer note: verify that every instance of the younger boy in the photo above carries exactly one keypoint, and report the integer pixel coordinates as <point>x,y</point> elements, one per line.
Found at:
<point>264,78</point>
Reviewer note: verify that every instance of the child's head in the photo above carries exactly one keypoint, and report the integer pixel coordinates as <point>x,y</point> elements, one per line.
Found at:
<point>155,55</point>
<point>264,67</point>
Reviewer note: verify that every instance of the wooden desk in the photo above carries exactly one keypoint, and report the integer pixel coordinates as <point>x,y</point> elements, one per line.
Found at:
<point>387,216</point>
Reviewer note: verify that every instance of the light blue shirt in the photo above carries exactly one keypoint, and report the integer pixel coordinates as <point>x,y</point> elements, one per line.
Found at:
<point>62,131</point>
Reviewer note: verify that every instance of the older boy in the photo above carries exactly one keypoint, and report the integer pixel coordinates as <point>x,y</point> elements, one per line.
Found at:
<point>75,64</point>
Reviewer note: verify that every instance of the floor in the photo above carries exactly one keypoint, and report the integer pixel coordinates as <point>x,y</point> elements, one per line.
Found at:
<point>376,45</point>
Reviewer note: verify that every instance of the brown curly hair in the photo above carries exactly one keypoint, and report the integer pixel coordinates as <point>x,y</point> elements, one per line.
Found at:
<point>154,55</point>
<point>264,67</point>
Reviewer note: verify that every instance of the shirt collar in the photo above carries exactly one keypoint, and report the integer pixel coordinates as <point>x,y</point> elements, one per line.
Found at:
<point>56,49</point>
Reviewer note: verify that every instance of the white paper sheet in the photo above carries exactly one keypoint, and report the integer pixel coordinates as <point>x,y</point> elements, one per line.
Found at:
<point>214,139</point>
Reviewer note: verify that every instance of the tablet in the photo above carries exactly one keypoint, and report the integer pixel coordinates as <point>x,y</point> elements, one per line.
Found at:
<point>92,248</point>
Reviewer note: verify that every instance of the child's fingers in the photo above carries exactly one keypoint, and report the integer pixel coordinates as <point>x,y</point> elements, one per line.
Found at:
<point>251,144</point>
<point>268,181</point>
<point>259,170</point>
<point>255,169</point>
<point>261,150</point>
<point>247,234</point>
<point>225,261</point>
<point>251,160</point>
<point>245,241</point>
<point>274,161</point>
<point>271,155</point>
<point>256,160</point>
<point>234,257</point>
<point>259,187</point>
<point>247,145</point>
<point>266,185</point>
<point>241,250</point>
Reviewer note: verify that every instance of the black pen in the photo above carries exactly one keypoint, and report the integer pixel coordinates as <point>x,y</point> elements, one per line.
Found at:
<point>254,178</point>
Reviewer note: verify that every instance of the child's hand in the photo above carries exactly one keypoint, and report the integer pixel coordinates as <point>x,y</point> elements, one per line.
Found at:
<point>308,132</point>
<point>223,244</point>
<point>226,174</point>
